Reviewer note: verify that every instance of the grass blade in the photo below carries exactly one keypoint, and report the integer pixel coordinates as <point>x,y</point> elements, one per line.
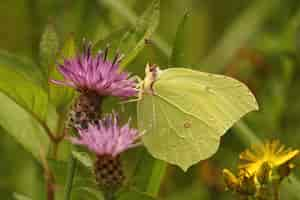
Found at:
<point>245,26</point>
<point>177,56</point>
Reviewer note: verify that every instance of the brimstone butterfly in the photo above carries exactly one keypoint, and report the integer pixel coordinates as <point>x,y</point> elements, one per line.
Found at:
<point>185,112</point>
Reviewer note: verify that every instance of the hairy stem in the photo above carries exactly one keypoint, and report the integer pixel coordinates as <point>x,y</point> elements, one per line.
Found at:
<point>49,178</point>
<point>70,177</point>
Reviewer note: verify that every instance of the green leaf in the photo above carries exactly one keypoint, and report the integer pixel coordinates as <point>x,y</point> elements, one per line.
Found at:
<point>124,11</point>
<point>26,67</point>
<point>92,192</point>
<point>48,48</point>
<point>177,57</point>
<point>190,111</point>
<point>112,41</point>
<point>61,96</point>
<point>84,158</point>
<point>130,194</point>
<point>20,124</point>
<point>86,185</point>
<point>134,41</point>
<point>24,105</point>
<point>18,196</point>
<point>22,83</point>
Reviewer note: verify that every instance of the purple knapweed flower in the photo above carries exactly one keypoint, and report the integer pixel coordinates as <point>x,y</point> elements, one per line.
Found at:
<point>96,74</point>
<point>106,137</point>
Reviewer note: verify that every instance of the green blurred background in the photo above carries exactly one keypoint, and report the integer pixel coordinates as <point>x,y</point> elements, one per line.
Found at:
<point>254,41</point>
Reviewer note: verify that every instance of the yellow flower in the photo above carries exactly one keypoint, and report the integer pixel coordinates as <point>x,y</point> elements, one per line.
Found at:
<point>231,181</point>
<point>271,154</point>
<point>241,184</point>
<point>261,170</point>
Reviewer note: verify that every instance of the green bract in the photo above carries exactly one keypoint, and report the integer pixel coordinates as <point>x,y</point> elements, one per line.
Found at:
<point>185,112</point>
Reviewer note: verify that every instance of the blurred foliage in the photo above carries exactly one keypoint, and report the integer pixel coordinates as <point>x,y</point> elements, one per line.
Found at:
<point>256,41</point>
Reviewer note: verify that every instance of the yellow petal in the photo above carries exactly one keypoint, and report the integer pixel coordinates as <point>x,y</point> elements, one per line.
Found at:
<point>230,179</point>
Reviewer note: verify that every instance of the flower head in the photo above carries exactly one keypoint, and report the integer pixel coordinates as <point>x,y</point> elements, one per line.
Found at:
<point>231,181</point>
<point>261,168</point>
<point>96,74</point>
<point>106,137</point>
<point>271,154</point>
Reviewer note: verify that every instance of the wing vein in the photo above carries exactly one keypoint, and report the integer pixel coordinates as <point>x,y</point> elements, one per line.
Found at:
<point>185,112</point>
<point>170,125</point>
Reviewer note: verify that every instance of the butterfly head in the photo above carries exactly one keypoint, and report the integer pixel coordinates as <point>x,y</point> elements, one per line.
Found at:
<point>152,72</point>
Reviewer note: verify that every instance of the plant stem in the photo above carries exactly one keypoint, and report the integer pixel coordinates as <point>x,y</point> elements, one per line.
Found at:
<point>50,187</point>
<point>49,177</point>
<point>70,177</point>
<point>157,174</point>
<point>276,191</point>
<point>109,195</point>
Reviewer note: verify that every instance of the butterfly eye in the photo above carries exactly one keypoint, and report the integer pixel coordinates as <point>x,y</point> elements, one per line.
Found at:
<point>152,68</point>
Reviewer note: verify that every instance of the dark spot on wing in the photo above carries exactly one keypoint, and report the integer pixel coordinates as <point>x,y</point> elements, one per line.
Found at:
<point>187,124</point>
